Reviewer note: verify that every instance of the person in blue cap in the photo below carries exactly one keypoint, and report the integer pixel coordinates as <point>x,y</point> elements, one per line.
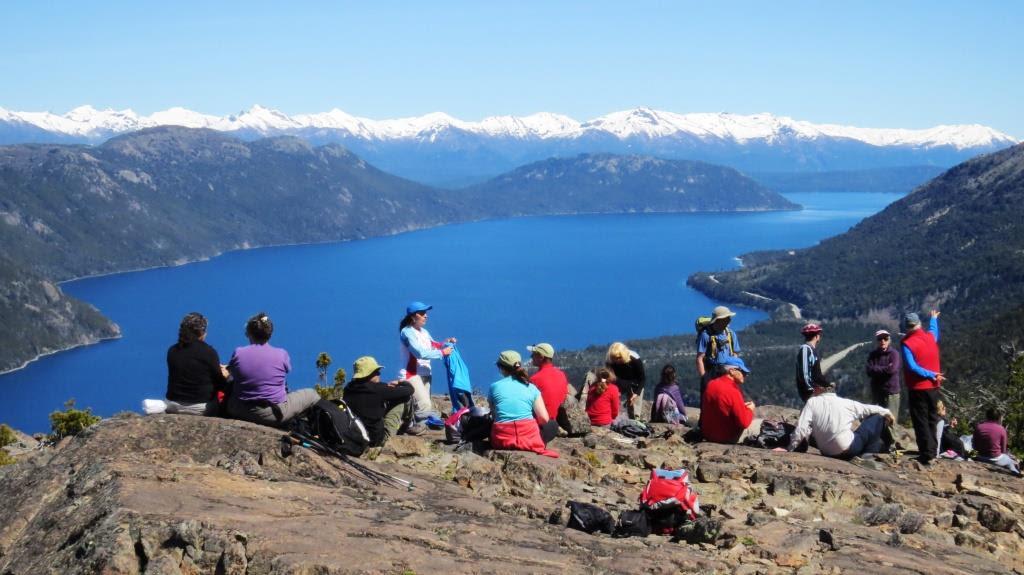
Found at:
<point>417,349</point>
<point>727,417</point>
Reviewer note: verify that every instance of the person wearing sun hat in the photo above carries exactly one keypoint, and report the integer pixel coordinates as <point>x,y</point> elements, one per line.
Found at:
<point>808,364</point>
<point>727,416</point>
<point>521,420</point>
<point>384,408</point>
<point>883,368</point>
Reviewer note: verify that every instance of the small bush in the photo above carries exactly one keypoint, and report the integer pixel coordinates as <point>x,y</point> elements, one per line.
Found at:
<point>334,392</point>
<point>5,458</point>
<point>7,436</point>
<point>71,421</point>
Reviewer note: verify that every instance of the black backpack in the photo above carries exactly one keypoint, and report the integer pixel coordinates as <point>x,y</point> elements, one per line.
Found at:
<point>632,524</point>
<point>588,518</point>
<point>335,426</point>
<point>475,427</point>
<point>773,434</point>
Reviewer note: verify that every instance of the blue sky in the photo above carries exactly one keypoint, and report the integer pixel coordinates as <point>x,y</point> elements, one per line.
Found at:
<point>874,64</point>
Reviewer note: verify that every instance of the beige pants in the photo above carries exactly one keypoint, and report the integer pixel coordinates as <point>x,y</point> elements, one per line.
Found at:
<point>422,405</point>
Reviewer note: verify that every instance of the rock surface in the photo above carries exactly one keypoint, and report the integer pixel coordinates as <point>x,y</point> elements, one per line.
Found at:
<point>178,494</point>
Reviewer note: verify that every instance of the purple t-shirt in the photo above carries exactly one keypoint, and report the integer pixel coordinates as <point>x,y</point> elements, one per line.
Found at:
<point>259,372</point>
<point>989,439</point>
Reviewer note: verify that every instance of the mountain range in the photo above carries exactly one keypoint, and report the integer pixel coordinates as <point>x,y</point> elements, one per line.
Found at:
<point>168,195</point>
<point>441,150</point>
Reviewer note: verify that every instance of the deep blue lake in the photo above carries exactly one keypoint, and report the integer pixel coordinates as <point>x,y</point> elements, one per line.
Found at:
<point>572,281</point>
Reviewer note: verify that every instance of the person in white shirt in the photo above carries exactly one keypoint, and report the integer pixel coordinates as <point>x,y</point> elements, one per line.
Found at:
<point>829,419</point>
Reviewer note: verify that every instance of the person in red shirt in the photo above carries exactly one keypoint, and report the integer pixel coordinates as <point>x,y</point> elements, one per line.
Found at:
<point>603,399</point>
<point>727,418</point>
<point>550,380</point>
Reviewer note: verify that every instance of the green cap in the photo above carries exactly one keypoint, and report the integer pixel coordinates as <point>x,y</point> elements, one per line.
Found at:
<point>365,367</point>
<point>542,349</point>
<point>510,358</point>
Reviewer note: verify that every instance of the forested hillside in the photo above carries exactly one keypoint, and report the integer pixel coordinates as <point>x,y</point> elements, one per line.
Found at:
<point>955,244</point>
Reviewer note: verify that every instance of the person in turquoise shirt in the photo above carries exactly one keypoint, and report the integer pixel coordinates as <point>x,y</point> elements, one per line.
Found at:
<point>514,398</point>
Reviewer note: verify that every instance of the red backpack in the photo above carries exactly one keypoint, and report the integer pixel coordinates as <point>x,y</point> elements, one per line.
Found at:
<point>670,489</point>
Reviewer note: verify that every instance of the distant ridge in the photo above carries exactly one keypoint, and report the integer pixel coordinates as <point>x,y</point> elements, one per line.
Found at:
<point>441,150</point>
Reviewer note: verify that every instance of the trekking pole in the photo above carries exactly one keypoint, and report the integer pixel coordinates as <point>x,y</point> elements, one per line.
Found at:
<point>370,473</point>
<point>322,451</point>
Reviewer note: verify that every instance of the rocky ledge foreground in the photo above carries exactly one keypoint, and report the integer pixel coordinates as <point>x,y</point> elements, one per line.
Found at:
<point>178,494</point>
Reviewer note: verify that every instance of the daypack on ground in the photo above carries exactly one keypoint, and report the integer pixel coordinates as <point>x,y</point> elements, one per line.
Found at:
<point>588,518</point>
<point>453,426</point>
<point>631,428</point>
<point>335,425</point>
<point>632,524</point>
<point>773,434</point>
<point>669,499</point>
<point>475,425</point>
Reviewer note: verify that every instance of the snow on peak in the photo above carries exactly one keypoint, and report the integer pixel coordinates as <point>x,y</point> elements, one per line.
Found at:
<point>183,117</point>
<point>646,123</point>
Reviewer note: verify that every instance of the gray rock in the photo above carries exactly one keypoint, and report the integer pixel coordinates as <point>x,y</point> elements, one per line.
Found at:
<point>995,519</point>
<point>911,522</point>
<point>573,418</point>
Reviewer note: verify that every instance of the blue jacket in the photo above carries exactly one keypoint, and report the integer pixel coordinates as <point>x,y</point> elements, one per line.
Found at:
<point>458,373</point>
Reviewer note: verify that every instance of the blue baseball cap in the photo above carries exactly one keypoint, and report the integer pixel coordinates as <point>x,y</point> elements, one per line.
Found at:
<point>417,306</point>
<point>733,362</point>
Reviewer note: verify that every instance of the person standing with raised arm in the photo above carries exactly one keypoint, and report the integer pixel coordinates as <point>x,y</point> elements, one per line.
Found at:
<point>922,374</point>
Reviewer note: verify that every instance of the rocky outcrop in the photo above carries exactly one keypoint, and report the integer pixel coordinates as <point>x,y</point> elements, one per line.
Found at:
<point>178,494</point>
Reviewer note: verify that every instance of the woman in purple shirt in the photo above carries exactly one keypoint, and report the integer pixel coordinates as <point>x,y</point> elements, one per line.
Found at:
<point>260,392</point>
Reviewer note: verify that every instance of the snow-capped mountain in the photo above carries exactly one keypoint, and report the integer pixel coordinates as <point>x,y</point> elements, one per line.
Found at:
<point>439,148</point>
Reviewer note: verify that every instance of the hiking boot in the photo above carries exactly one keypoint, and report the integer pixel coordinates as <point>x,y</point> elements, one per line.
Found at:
<point>417,428</point>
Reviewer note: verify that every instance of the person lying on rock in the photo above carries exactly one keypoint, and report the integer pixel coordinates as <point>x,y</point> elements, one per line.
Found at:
<point>195,375</point>
<point>829,419</point>
<point>521,420</point>
<point>989,441</point>
<point>259,370</point>
<point>384,408</point>
<point>727,417</point>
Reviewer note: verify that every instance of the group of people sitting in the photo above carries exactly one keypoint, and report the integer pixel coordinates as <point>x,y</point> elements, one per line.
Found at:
<point>527,409</point>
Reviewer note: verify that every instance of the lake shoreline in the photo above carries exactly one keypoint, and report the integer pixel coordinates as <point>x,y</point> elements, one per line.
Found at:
<point>205,258</point>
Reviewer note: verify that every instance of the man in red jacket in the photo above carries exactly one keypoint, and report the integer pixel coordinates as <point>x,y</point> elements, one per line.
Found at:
<point>550,380</point>
<point>923,376</point>
<point>726,417</point>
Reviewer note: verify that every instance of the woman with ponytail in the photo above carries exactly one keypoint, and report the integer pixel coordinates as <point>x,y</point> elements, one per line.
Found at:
<point>521,421</point>
<point>259,370</point>
<point>194,372</point>
<point>603,398</point>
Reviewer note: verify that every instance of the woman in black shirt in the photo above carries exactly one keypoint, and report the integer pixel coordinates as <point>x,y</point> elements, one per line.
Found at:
<point>630,377</point>
<point>194,372</point>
